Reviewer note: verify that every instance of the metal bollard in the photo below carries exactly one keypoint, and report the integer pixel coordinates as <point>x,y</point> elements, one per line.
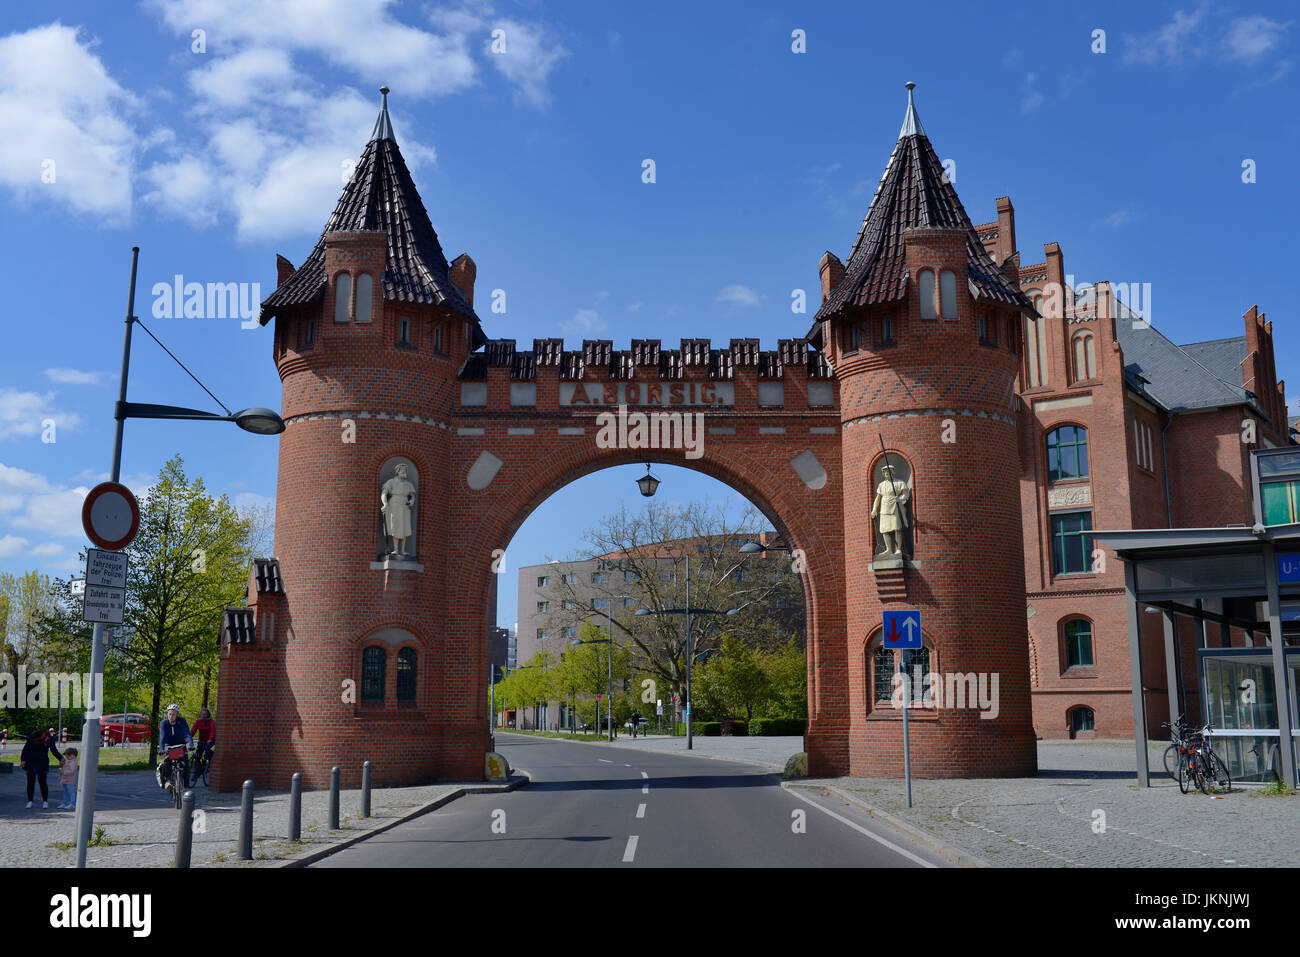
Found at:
<point>185,830</point>
<point>334,798</point>
<point>365,789</point>
<point>246,823</point>
<point>295,808</point>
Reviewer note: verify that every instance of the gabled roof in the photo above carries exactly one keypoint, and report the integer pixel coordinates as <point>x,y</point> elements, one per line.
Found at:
<point>381,196</point>
<point>1203,375</point>
<point>914,192</point>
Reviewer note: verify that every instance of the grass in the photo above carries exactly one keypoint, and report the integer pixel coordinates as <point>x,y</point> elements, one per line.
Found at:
<point>564,735</point>
<point>112,759</point>
<point>1274,789</point>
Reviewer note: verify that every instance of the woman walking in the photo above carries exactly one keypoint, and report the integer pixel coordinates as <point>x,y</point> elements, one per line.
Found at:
<point>35,760</point>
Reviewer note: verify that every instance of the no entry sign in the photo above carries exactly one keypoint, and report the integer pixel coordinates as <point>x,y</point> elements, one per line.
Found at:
<point>110,516</point>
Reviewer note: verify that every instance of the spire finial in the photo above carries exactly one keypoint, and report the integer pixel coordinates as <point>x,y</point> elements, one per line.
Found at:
<point>911,122</point>
<point>383,126</point>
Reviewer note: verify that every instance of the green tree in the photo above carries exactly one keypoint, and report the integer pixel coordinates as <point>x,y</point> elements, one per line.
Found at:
<point>787,675</point>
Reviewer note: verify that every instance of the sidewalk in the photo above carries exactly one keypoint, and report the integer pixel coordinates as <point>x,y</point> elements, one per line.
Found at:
<point>1085,809</point>
<point>770,752</point>
<point>141,822</point>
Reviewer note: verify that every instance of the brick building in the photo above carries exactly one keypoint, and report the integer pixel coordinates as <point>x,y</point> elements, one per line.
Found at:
<point>929,382</point>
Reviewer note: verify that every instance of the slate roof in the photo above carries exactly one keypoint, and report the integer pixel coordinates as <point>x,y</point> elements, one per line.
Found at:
<point>382,196</point>
<point>1202,375</point>
<point>913,192</point>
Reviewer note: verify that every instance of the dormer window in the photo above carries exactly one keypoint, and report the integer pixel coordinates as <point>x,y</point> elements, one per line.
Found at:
<point>404,330</point>
<point>364,286</point>
<point>886,331</point>
<point>342,297</point>
<point>948,294</point>
<point>925,287</point>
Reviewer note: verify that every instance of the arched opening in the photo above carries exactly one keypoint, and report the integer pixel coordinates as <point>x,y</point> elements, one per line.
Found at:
<point>557,584</point>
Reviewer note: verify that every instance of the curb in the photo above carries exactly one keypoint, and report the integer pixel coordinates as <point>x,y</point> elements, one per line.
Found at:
<point>311,857</point>
<point>947,851</point>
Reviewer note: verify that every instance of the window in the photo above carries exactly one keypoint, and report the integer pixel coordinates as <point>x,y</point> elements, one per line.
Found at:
<point>1142,445</point>
<point>309,334</point>
<point>570,632</point>
<point>543,606</point>
<point>925,288</point>
<point>886,331</point>
<point>631,577</point>
<point>629,602</point>
<point>1085,357</point>
<point>1067,453</point>
<point>569,606</point>
<point>543,581</point>
<point>404,328</point>
<point>668,576</point>
<point>570,579</point>
<point>600,604</point>
<point>1081,719</point>
<point>1071,543</point>
<point>948,294</point>
<point>1036,346</point>
<point>853,338</point>
<point>364,283</point>
<point>342,297</point>
<point>1078,643</point>
<point>374,665</point>
<point>984,331</point>
<point>541,634</point>
<point>882,678</point>
<point>1281,502</point>
<point>437,338</point>
<point>406,674</point>
<point>598,577</point>
<point>701,548</point>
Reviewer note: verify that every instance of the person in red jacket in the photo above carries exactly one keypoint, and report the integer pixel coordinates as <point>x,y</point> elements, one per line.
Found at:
<point>205,736</point>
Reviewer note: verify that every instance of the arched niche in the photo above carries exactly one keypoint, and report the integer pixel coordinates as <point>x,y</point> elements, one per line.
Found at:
<point>398,510</point>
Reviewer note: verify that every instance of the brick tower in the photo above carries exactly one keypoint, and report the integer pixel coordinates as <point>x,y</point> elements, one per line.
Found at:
<point>923,328</point>
<point>370,333</point>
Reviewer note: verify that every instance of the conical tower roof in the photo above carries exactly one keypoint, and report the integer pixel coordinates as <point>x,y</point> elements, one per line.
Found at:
<point>381,196</point>
<point>913,192</point>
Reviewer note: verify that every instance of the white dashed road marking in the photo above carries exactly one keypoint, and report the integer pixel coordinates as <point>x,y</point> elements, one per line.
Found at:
<point>630,851</point>
<point>640,810</point>
<point>606,760</point>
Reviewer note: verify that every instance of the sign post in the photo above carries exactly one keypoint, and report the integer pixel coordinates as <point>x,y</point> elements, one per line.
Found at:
<point>902,630</point>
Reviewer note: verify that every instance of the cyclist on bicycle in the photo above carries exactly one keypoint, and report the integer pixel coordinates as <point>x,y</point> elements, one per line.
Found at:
<point>205,736</point>
<point>173,732</point>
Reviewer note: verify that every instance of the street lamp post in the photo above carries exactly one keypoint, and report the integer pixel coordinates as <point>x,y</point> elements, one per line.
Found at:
<point>257,420</point>
<point>688,611</point>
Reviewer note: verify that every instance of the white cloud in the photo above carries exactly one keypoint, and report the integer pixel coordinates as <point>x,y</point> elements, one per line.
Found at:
<point>12,546</point>
<point>529,58</point>
<point>585,322</point>
<point>1250,38</point>
<point>75,377</point>
<point>32,503</point>
<point>62,117</point>
<point>635,307</point>
<point>1170,43</point>
<point>1031,97</point>
<point>740,296</point>
<point>25,414</point>
<point>1117,218</point>
<point>252,500</point>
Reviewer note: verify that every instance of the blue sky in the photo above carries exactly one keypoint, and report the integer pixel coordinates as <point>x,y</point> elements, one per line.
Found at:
<point>214,160</point>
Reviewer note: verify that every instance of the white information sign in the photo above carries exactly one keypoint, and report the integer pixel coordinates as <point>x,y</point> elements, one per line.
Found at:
<point>102,604</point>
<point>107,569</point>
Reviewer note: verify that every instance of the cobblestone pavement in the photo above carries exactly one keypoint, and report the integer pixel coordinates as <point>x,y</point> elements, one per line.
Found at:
<point>770,752</point>
<point>1052,820</point>
<point>141,822</point>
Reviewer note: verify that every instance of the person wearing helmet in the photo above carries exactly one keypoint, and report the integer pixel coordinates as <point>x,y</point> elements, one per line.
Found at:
<point>172,732</point>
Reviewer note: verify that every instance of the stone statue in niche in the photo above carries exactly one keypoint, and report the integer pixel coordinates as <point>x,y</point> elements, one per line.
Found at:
<point>890,510</point>
<point>397,501</point>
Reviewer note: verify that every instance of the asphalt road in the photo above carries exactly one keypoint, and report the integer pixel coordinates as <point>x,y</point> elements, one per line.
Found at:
<point>592,805</point>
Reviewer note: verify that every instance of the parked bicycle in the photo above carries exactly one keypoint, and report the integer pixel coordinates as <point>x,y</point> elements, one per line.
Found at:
<point>1213,769</point>
<point>1173,754</point>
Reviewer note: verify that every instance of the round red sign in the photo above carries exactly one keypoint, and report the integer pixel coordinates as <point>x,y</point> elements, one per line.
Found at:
<point>110,516</point>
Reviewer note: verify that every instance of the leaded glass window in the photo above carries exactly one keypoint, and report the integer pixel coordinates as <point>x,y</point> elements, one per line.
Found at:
<point>406,659</point>
<point>374,665</point>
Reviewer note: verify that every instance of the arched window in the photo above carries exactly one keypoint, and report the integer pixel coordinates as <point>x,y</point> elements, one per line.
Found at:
<point>1078,643</point>
<point>925,288</point>
<point>364,286</point>
<point>342,297</point>
<point>1036,345</point>
<point>1067,453</point>
<point>374,669</point>
<point>883,663</point>
<point>948,294</point>
<point>406,659</point>
<point>882,675</point>
<point>1081,719</point>
<point>1085,357</point>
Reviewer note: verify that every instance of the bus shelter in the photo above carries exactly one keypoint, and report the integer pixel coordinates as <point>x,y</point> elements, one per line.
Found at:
<point>1240,588</point>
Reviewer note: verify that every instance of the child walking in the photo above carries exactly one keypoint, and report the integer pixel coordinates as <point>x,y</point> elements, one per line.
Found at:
<point>68,778</point>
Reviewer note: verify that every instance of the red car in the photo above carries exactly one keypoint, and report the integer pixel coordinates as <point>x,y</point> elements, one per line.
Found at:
<point>125,728</point>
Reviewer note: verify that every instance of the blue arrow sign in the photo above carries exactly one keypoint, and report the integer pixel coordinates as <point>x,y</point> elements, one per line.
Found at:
<point>903,628</point>
<point>1288,567</point>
